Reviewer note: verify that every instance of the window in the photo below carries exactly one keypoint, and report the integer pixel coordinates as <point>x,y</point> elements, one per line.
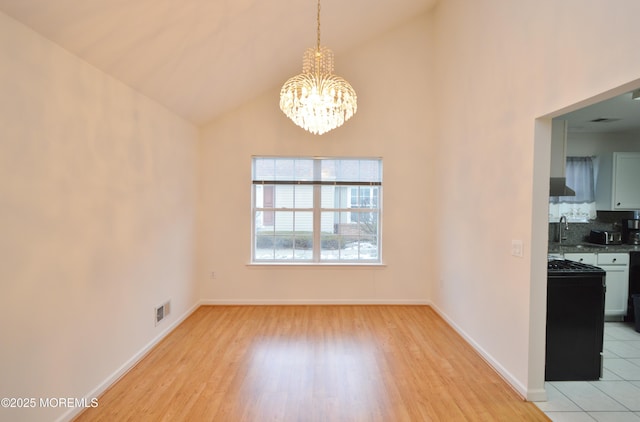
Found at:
<point>580,172</point>
<point>316,210</point>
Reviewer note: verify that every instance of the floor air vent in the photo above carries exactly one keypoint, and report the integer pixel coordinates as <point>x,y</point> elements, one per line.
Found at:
<point>162,312</point>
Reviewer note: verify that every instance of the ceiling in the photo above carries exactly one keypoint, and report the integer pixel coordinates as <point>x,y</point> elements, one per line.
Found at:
<point>200,58</point>
<point>618,114</point>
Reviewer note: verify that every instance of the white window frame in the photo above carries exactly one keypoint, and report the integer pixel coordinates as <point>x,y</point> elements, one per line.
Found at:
<point>318,254</point>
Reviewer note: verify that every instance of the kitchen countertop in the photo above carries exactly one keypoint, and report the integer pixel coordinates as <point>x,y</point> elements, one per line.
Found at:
<point>591,248</point>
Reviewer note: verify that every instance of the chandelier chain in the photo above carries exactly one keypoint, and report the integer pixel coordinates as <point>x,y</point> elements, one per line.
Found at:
<point>318,24</point>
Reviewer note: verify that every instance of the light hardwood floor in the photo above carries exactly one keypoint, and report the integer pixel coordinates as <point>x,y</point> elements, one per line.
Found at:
<point>312,363</point>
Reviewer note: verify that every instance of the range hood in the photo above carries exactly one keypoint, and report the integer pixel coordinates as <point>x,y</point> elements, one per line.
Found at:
<point>558,187</point>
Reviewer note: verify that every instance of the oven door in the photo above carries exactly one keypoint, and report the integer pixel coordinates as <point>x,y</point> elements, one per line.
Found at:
<point>575,326</point>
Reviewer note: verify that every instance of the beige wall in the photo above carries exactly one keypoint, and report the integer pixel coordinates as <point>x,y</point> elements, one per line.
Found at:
<point>392,77</point>
<point>97,215</point>
<point>500,65</point>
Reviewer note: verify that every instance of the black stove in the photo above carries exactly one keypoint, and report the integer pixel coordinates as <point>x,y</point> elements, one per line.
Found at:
<point>562,266</point>
<point>575,321</point>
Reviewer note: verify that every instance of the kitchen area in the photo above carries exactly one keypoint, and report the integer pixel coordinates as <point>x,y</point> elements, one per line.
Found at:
<point>593,271</point>
<point>593,278</point>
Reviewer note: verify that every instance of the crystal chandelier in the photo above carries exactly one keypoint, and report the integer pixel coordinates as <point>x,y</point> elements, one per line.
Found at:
<point>317,100</point>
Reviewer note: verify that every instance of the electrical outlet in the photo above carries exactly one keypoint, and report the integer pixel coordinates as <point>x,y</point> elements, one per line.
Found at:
<point>516,248</point>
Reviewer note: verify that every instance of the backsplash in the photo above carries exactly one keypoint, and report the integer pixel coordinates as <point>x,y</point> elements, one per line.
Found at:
<point>579,232</point>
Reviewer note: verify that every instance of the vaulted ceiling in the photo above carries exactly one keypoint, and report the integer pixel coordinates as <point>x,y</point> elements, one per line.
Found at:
<point>200,58</point>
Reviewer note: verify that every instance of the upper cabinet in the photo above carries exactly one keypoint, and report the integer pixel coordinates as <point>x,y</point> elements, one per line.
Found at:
<point>626,180</point>
<point>618,184</point>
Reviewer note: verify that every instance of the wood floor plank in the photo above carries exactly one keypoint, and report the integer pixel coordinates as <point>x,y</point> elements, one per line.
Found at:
<point>312,363</point>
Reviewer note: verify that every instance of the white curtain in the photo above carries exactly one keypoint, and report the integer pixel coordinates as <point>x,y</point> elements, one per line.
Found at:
<point>580,173</point>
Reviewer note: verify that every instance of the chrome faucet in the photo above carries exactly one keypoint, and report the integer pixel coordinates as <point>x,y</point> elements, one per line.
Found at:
<point>562,230</point>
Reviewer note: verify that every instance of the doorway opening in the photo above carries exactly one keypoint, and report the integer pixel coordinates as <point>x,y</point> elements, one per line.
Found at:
<point>593,115</point>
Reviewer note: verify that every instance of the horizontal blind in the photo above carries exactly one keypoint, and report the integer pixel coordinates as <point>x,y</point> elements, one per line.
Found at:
<point>317,171</point>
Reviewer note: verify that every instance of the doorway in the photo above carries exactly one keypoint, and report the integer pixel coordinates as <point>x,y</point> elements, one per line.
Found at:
<point>540,232</point>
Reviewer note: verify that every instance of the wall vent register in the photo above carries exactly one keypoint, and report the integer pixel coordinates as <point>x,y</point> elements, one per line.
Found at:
<point>162,311</point>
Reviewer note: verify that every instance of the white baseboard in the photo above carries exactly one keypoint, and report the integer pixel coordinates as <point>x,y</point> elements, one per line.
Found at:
<point>537,395</point>
<point>313,302</point>
<point>127,366</point>
<point>521,389</point>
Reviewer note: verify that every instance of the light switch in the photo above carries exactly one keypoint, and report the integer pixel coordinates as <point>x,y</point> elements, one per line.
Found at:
<point>516,248</point>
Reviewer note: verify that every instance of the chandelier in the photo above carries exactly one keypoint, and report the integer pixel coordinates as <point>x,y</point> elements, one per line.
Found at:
<point>317,100</point>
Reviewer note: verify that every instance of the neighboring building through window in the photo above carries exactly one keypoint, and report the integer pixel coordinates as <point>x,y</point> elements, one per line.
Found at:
<point>316,210</point>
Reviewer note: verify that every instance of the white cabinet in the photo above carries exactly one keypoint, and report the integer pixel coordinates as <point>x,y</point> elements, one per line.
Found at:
<point>585,258</point>
<point>618,186</point>
<point>617,267</point>
<point>617,280</point>
<point>626,178</point>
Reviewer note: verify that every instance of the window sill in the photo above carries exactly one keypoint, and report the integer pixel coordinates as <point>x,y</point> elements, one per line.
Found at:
<point>316,265</point>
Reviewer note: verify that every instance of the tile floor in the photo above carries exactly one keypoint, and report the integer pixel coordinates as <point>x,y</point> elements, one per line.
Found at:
<point>616,397</point>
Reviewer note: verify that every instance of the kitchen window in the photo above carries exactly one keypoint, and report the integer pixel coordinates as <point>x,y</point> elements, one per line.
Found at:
<point>309,210</point>
<point>581,177</point>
